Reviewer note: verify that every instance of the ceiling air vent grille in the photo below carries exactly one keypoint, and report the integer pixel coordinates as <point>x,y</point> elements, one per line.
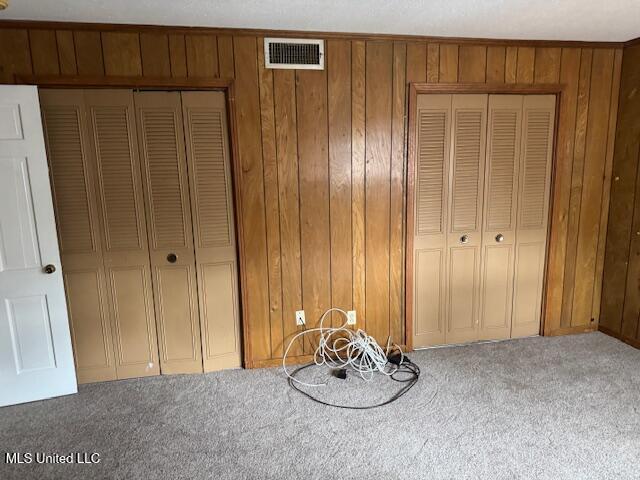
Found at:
<point>294,53</point>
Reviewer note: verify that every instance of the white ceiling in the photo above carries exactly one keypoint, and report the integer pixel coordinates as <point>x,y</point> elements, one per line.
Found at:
<point>591,20</point>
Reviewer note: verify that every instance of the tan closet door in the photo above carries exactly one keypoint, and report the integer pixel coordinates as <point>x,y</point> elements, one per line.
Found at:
<point>166,186</point>
<point>433,125</point>
<point>466,179</point>
<point>533,208</point>
<point>126,255</point>
<point>206,134</point>
<point>72,179</point>
<point>499,215</point>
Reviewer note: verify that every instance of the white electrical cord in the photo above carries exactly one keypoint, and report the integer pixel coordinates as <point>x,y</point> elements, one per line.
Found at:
<point>342,347</point>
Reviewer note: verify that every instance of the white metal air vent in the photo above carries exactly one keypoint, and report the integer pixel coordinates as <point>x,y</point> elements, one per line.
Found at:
<point>298,53</point>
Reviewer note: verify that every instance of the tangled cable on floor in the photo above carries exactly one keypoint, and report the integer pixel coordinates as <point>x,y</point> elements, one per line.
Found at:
<point>343,348</point>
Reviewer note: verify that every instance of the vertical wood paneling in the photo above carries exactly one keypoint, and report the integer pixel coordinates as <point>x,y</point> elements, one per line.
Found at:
<point>379,66</point>
<point>89,52</point>
<point>14,54</point>
<point>416,62</point>
<point>202,55</point>
<point>358,158</point>
<point>44,53</point>
<point>525,64</point>
<point>155,55</point>
<point>251,208</point>
<point>271,201</point>
<point>177,56</point>
<point>448,63</point>
<point>472,64</point>
<point>66,52</point>
<point>225,56</point>
<point>121,53</point>
<point>511,65</point>
<point>547,65</point>
<point>339,131</point>
<point>433,62</point>
<point>496,61</point>
<point>289,198</point>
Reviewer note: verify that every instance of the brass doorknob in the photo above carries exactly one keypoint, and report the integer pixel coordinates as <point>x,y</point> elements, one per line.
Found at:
<point>49,269</point>
<point>464,238</point>
<point>172,257</point>
<point>499,238</point>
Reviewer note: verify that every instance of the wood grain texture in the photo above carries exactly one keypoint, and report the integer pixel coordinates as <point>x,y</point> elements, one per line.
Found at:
<point>448,63</point>
<point>417,62</point>
<point>122,53</point>
<point>496,62</point>
<point>511,65</point>
<point>472,64</point>
<point>177,56</point>
<point>15,54</point>
<point>66,52</point>
<point>89,52</point>
<point>547,65</point>
<point>202,55</point>
<point>44,52</point>
<point>525,64</point>
<point>154,48</point>
<point>225,56</point>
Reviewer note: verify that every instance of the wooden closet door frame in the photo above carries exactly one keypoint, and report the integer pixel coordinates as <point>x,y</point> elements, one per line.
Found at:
<point>225,85</point>
<point>416,89</point>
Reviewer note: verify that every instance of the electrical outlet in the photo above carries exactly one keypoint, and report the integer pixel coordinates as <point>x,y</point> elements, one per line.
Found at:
<point>300,320</point>
<point>351,317</point>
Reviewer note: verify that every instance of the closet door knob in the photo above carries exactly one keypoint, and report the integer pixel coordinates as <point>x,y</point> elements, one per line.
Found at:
<point>172,257</point>
<point>464,238</point>
<point>499,238</point>
<point>49,269</point>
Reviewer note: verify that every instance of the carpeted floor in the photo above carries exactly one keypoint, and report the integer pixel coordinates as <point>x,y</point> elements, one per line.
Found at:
<point>537,408</point>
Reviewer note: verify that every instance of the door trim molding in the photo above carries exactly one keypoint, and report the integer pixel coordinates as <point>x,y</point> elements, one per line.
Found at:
<point>416,89</point>
<point>178,83</point>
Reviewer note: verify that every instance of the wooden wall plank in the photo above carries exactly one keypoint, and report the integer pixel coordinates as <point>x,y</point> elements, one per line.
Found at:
<point>547,65</point>
<point>89,52</point>
<point>44,52</point>
<point>525,66</point>
<point>592,185</point>
<point>177,56</point>
<point>225,56</point>
<point>575,198</point>
<point>496,61</point>
<point>433,62</point>
<point>202,55</point>
<point>66,52</point>
<point>271,199</point>
<point>284,84</point>
<point>339,131</point>
<point>623,194</point>
<point>379,66</point>
<point>630,322</point>
<point>448,63</point>
<point>358,159</point>
<point>154,48</point>
<point>15,57</point>
<point>511,65</point>
<point>472,66</point>
<point>313,167</point>
<point>416,62</point>
<point>569,75</point>
<point>251,208</point>
<point>396,207</point>
<point>121,54</point>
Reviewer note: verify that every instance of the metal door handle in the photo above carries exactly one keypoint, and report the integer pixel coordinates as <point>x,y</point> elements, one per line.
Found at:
<point>464,238</point>
<point>49,269</point>
<point>172,257</point>
<point>499,238</point>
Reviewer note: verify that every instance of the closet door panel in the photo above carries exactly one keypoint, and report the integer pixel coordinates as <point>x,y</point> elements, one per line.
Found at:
<point>208,158</point>
<point>72,179</point>
<point>126,255</point>
<point>533,211</point>
<point>499,215</point>
<point>466,182</point>
<point>430,205</point>
<point>168,209</point>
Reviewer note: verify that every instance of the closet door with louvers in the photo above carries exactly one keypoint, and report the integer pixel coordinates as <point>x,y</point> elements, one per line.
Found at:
<point>499,215</point>
<point>533,211</point>
<point>126,256</point>
<point>166,186</point>
<point>433,124</point>
<point>72,178</point>
<point>206,135</point>
<point>464,232</point>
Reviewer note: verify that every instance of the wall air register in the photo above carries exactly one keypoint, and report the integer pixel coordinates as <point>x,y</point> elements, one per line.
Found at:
<point>294,53</point>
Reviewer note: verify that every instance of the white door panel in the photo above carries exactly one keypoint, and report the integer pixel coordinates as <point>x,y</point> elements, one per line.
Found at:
<point>36,359</point>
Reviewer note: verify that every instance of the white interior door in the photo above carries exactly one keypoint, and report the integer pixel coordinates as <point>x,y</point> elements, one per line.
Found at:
<point>36,358</point>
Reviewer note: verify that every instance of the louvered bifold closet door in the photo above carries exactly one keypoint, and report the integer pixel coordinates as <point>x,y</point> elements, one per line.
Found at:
<point>433,125</point>
<point>124,235</point>
<point>166,186</point>
<point>208,157</point>
<point>464,232</point>
<point>533,212</point>
<point>72,178</point>
<point>499,215</point>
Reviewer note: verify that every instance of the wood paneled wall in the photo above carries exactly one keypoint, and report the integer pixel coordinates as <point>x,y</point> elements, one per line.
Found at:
<point>621,288</point>
<point>322,155</point>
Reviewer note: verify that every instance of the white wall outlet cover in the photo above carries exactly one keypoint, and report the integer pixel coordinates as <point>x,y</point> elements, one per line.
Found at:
<point>300,320</point>
<point>351,317</point>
